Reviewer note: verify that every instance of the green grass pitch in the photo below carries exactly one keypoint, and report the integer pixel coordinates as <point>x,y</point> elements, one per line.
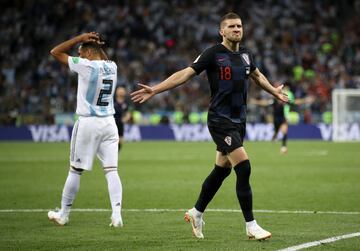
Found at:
<point>313,176</point>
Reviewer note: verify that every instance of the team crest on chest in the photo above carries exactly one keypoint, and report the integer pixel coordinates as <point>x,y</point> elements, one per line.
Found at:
<point>228,140</point>
<point>245,56</point>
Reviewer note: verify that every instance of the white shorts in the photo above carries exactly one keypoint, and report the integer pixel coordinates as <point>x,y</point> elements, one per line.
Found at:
<point>94,135</point>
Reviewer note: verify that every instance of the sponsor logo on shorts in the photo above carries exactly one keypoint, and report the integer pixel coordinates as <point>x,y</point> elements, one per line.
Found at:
<point>228,140</point>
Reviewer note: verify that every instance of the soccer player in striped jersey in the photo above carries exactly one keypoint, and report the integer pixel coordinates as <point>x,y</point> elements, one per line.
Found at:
<point>229,67</point>
<point>95,131</point>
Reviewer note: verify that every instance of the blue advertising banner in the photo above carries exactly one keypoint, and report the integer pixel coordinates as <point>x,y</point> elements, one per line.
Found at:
<point>186,132</point>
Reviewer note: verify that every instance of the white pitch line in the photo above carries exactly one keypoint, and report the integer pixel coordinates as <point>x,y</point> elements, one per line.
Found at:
<point>317,153</point>
<point>179,210</point>
<point>317,243</point>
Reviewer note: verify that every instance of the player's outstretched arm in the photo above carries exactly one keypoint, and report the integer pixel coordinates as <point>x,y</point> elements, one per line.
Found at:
<point>176,79</point>
<point>262,81</point>
<point>60,51</point>
<point>306,100</point>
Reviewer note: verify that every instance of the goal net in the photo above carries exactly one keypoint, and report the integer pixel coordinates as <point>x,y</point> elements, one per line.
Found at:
<point>346,115</point>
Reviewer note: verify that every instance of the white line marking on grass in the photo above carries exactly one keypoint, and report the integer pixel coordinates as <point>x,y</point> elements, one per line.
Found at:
<point>316,153</point>
<point>178,210</point>
<point>33,159</point>
<point>66,158</point>
<point>302,212</point>
<point>317,243</point>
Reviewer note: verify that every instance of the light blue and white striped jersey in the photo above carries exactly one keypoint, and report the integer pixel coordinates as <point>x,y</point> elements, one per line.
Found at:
<point>96,86</point>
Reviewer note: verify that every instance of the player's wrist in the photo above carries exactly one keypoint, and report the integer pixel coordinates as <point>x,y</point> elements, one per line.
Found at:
<point>154,90</point>
<point>80,38</point>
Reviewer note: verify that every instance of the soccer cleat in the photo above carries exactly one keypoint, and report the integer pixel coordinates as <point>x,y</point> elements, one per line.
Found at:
<point>196,223</point>
<point>283,150</point>
<point>257,233</point>
<point>116,222</point>
<point>57,218</point>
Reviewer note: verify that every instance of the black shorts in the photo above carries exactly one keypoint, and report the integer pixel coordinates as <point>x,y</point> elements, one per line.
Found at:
<point>120,127</point>
<point>227,135</point>
<point>278,122</point>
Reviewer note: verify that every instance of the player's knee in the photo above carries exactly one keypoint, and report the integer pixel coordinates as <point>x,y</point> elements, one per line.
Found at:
<point>243,170</point>
<point>224,170</point>
<point>76,170</point>
<point>218,174</point>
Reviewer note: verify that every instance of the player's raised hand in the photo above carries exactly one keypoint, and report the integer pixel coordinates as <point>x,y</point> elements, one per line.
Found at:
<point>142,95</point>
<point>91,37</point>
<point>280,94</point>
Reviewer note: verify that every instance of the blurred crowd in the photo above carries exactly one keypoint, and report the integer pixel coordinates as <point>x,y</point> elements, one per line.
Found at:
<point>313,46</point>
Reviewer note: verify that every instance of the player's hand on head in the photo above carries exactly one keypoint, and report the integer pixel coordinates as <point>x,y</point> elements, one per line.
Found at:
<point>142,95</point>
<point>280,94</point>
<point>91,37</point>
<point>100,40</point>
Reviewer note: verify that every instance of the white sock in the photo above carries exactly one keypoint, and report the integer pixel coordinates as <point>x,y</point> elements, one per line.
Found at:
<point>251,223</point>
<point>70,190</point>
<point>115,191</point>
<point>197,213</point>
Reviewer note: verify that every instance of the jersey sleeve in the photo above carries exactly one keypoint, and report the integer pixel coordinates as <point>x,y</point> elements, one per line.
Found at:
<point>79,65</point>
<point>202,62</point>
<point>252,63</point>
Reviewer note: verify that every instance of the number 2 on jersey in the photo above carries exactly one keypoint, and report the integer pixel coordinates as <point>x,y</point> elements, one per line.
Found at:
<point>225,73</point>
<point>106,90</point>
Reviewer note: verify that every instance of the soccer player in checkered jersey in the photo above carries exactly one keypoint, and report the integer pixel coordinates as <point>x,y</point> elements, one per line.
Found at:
<point>122,114</point>
<point>229,66</point>
<point>95,131</point>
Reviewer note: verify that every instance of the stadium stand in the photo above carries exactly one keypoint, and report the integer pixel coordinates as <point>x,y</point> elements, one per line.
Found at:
<point>314,45</point>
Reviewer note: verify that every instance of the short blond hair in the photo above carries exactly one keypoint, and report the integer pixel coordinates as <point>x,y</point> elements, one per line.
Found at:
<point>230,15</point>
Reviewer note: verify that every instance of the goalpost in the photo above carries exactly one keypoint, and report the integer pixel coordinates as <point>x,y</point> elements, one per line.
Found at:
<point>346,115</point>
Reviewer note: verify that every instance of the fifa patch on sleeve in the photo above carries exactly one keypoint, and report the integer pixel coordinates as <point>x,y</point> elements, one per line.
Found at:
<point>75,60</point>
